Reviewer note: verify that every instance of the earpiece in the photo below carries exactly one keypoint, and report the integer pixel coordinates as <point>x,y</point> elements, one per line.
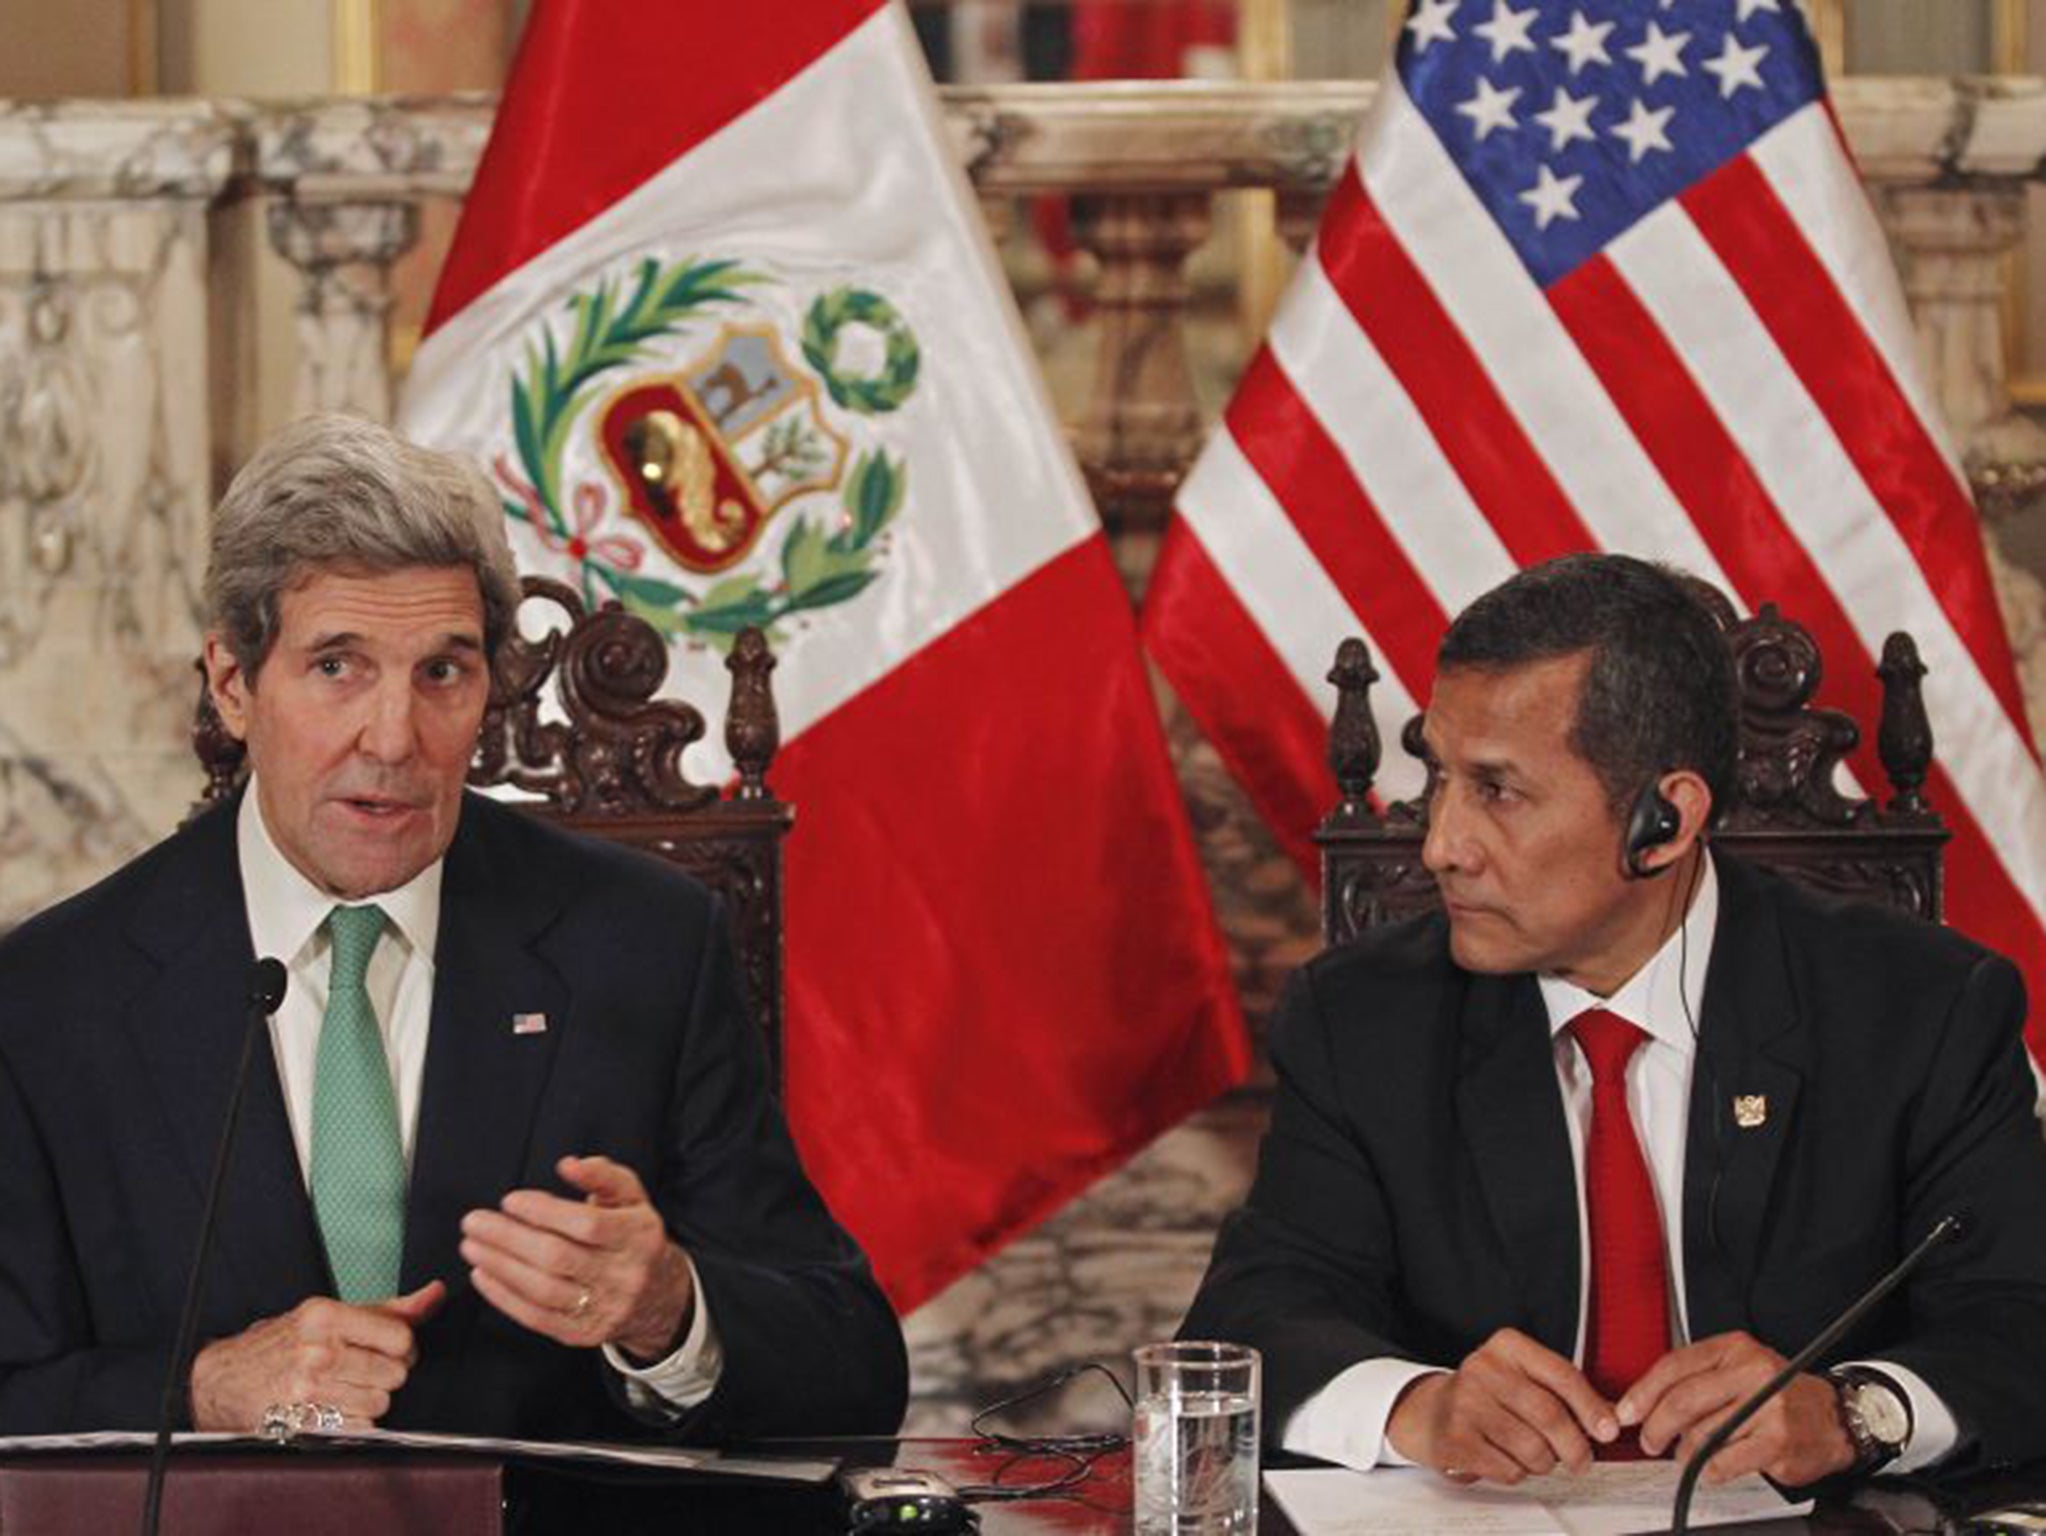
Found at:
<point>1653,821</point>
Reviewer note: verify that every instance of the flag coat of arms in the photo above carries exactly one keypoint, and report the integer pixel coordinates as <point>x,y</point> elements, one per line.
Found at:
<point>723,324</point>
<point>1600,275</point>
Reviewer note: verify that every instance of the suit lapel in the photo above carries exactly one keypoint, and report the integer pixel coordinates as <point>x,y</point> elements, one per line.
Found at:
<point>1751,1044</point>
<point>1511,1112</point>
<point>186,1025</point>
<point>483,1082</point>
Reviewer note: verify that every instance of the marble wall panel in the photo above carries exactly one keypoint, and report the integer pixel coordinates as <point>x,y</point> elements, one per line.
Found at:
<point>105,479</point>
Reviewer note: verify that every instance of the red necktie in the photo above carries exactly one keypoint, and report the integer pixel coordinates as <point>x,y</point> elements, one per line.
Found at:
<point>1628,1315</point>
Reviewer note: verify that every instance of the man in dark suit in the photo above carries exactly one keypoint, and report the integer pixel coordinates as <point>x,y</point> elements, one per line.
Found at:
<point>511,1164</point>
<point>1572,1166</point>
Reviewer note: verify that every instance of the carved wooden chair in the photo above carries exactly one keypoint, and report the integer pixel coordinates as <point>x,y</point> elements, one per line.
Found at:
<point>1785,810</point>
<point>606,758</point>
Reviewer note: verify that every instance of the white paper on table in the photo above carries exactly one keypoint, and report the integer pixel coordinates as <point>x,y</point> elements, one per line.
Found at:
<point>1613,1499</point>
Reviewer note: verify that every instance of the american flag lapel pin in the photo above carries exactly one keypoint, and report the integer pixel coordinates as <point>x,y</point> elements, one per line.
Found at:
<point>529,1023</point>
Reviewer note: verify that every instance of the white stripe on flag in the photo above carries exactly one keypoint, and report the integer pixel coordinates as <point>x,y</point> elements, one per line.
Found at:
<point>1799,461</point>
<point>1528,355</point>
<point>1802,160</point>
<point>1248,535</point>
<point>1386,442</point>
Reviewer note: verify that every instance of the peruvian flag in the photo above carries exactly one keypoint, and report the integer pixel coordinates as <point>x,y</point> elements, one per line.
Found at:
<point>724,324</point>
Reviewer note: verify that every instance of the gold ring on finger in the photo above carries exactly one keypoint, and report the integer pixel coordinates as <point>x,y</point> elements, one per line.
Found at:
<point>580,1309</point>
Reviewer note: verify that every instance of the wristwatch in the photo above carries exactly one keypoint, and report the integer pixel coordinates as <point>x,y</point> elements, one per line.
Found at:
<point>1876,1414</point>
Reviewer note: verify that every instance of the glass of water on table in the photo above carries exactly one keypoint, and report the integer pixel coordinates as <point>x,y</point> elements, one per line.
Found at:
<point>1193,1441</point>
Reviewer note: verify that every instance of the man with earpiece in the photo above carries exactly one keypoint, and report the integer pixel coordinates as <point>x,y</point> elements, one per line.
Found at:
<point>1567,1170</point>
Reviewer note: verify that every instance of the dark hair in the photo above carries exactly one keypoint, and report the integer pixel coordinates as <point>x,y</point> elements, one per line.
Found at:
<point>1659,693</point>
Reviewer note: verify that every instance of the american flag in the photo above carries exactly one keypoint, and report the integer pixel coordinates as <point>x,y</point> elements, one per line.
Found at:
<point>1600,275</point>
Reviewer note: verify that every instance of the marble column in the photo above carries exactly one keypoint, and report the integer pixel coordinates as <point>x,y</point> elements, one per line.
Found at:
<point>105,477</point>
<point>346,180</point>
<point>343,253</point>
<point>1955,242</point>
<point>1143,425</point>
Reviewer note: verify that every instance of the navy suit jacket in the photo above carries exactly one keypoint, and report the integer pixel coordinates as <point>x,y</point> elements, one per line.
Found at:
<point>1416,1190</point>
<point>121,1015</point>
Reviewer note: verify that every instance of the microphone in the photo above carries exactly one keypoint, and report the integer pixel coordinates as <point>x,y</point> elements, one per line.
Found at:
<point>266,990</point>
<point>1947,1227</point>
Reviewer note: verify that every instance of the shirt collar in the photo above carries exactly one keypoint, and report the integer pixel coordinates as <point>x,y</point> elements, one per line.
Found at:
<point>286,910</point>
<point>1664,997</point>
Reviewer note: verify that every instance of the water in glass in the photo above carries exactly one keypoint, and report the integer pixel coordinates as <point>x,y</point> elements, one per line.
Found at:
<point>1196,1464</point>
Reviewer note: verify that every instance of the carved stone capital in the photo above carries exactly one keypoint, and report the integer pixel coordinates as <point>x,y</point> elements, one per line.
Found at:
<point>361,149</point>
<point>344,252</point>
<point>1154,136</point>
<point>317,237</point>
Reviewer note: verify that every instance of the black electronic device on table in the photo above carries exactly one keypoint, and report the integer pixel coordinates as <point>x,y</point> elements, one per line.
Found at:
<point>885,1501</point>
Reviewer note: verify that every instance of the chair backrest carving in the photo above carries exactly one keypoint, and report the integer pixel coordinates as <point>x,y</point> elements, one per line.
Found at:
<point>574,727</point>
<point>1786,811</point>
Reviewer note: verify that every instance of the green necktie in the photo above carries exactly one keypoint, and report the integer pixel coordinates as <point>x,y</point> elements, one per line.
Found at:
<point>358,1174</point>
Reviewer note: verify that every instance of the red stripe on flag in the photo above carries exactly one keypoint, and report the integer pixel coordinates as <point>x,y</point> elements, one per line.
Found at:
<point>1241,694</point>
<point>1761,245</point>
<point>985,966</point>
<point>560,152</point>
<point>1761,555</point>
<point>1478,433</point>
<point>1652,388</point>
<point>1307,474</point>
<point>1983,903</point>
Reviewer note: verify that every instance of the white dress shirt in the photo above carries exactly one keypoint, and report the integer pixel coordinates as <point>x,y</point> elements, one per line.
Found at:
<point>287,918</point>
<point>1345,1421</point>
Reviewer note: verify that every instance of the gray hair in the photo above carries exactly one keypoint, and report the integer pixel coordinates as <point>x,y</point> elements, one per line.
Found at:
<point>341,492</point>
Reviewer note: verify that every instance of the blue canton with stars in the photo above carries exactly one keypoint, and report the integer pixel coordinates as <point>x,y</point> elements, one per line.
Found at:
<point>1573,120</point>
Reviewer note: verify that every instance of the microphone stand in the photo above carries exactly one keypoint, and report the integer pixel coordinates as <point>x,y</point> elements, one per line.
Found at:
<point>266,991</point>
<point>1680,1518</point>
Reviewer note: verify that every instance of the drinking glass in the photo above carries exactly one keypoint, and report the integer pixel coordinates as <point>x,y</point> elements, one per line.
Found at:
<point>1194,1439</point>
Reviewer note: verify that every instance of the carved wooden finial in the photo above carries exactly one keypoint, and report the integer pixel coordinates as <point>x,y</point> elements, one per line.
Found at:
<point>1904,735</point>
<point>1353,746</point>
<point>1790,750</point>
<point>752,728</point>
<point>618,751</point>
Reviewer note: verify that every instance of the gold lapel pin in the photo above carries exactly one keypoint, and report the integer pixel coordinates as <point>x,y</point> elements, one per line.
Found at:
<point>1750,1110</point>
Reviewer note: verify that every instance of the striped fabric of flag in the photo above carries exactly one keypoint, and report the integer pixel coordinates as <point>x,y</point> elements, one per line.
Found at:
<point>1600,275</point>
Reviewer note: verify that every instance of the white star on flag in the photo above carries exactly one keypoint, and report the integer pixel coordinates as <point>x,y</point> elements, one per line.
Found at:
<point>1552,197</point>
<point>1737,66</point>
<point>1660,53</point>
<point>1568,118</point>
<point>1507,30</point>
<point>1643,130</point>
<point>1584,43</point>
<point>1489,108</point>
<point>1749,7</point>
<point>1430,24</point>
